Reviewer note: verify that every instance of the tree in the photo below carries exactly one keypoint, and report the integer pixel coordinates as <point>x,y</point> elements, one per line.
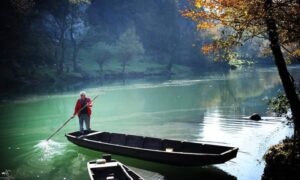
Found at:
<point>78,27</point>
<point>55,25</point>
<point>102,52</point>
<point>63,17</point>
<point>14,18</point>
<point>242,20</point>
<point>286,78</point>
<point>129,47</point>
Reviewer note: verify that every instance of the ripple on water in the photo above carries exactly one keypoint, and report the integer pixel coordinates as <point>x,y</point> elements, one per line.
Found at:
<point>42,160</point>
<point>49,149</point>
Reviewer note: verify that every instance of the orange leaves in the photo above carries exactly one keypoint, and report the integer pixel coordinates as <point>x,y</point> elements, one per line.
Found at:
<point>198,3</point>
<point>244,20</point>
<point>205,25</point>
<point>238,15</point>
<point>207,48</point>
<point>208,11</point>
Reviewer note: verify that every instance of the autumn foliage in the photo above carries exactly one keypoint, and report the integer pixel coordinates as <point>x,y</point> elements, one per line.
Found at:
<point>242,20</point>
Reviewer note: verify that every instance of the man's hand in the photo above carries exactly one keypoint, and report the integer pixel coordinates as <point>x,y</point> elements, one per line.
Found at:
<point>72,116</point>
<point>90,104</point>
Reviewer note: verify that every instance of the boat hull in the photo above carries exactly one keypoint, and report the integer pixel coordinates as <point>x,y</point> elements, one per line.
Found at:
<point>102,169</point>
<point>172,158</point>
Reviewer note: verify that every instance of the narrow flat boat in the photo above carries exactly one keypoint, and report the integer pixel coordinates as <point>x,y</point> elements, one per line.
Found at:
<point>174,152</point>
<point>110,169</point>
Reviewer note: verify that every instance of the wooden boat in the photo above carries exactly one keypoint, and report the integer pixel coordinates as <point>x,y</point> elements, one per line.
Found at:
<point>107,168</point>
<point>174,152</point>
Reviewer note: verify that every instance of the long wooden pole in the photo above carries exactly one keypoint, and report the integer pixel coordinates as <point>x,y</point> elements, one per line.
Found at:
<point>67,121</point>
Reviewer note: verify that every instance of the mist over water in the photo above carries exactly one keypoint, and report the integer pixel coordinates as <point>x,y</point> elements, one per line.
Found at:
<point>200,109</point>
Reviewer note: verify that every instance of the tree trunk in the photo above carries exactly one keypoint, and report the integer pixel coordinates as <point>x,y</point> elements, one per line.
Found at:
<point>75,47</point>
<point>62,57</point>
<point>170,65</point>
<point>285,76</point>
<point>125,59</point>
<point>56,57</point>
<point>123,67</point>
<point>62,53</point>
<point>100,64</point>
<point>74,57</point>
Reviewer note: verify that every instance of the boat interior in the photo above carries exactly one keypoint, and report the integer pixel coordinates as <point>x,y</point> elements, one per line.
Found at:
<point>111,170</point>
<point>115,173</point>
<point>155,143</point>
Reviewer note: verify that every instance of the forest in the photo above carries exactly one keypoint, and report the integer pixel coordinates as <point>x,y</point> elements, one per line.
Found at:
<point>55,41</point>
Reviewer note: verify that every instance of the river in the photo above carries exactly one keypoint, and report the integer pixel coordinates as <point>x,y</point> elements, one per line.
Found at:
<point>210,109</point>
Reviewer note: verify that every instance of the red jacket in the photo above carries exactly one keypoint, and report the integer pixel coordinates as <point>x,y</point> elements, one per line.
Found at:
<point>78,107</point>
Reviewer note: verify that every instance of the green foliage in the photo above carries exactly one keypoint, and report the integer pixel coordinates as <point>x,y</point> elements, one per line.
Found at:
<point>235,59</point>
<point>101,53</point>
<point>129,44</point>
<point>280,104</point>
<point>129,47</point>
<point>62,35</point>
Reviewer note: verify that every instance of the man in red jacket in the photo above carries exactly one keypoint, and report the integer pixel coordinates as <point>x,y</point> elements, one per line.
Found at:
<point>83,110</point>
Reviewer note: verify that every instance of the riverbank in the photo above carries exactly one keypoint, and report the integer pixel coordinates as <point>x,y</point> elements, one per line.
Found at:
<point>44,80</point>
<point>281,163</point>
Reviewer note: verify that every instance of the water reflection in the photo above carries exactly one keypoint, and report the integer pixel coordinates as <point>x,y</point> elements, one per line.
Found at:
<point>253,138</point>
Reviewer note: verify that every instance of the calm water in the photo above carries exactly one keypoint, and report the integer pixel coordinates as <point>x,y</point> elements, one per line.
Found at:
<point>211,109</point>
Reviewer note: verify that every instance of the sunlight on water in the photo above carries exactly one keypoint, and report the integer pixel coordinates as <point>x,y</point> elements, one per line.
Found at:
<point>49,149</point>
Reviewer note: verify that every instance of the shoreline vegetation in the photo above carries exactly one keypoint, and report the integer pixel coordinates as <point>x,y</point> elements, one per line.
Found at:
<point>282,160</point>
<point>47,80</point>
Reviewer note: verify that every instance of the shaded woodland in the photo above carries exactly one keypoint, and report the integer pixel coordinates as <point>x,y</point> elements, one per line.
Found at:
<point>53,41</point>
